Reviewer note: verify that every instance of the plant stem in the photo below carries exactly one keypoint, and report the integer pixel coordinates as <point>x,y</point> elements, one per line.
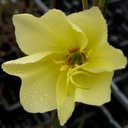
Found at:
<point>82,120</point>
<point>85,4</point>
<point>52,4</point>
<point>105,7</point>
<point>95,2</point>
<point>55,122</point>
<point>38,120</point>
<point>101,4</point>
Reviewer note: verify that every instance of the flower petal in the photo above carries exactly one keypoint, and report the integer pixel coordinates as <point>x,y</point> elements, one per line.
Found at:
<point>99,84</point>
<point>51,32</point>
<point>65,98</point>
<point>93,25</point>
<point>23,66</point>
<point>38,89</point>
<point>105,58</point>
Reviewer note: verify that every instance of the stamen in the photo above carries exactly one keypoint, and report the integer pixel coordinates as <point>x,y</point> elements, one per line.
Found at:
<point>69,71</point>
<point>77,85</point>
<point>74,71</point>
<point>81,72</point>
<point>64,67</point>
<point>58,62</point>
<point>88,53</point>
<point>75,68</point>
<point>68,85</point>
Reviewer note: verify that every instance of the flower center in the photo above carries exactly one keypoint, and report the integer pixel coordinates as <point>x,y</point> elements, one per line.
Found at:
<point>72,60</point>
<point>76,58</point>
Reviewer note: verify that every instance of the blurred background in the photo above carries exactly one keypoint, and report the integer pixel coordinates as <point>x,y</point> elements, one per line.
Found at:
<point>111,115</point>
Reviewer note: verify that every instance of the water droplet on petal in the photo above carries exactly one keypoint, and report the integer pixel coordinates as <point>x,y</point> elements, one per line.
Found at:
<point>26,77</point>
<point>45,95</point>
<point>19,74</point>
<point>41,99</point>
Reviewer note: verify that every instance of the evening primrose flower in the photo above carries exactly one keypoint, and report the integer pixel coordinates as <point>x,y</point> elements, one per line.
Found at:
<point>69,60</point>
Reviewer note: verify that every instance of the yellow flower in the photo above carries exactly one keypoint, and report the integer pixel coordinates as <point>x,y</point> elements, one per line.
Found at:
<point>69,61</point>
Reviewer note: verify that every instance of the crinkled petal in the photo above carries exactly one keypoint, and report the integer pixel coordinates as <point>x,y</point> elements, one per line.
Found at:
<point>93,25</point>
<point>51,32</point>
<point>23,66</point>
<point>99,88</point>
<point>65,98</point>
<point>38,89</point>
<point>105,58</point>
